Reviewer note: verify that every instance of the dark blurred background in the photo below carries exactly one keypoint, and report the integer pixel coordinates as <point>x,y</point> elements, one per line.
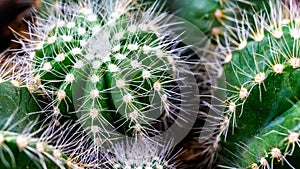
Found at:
<point>12,13</point>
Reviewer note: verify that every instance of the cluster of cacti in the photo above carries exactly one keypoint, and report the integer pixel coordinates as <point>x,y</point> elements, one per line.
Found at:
<point>99,84</point>
<point>112,69</point>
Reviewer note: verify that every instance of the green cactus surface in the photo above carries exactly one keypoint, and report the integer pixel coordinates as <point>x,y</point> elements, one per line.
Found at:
<point>213,16</point>
<point>16,104</point>
<point>23,151</point>
<point>262,105</point>
<point>109,71</point>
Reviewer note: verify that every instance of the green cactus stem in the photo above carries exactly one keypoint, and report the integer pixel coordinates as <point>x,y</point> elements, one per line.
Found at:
<point>110,71</point>
<point>262,77</point>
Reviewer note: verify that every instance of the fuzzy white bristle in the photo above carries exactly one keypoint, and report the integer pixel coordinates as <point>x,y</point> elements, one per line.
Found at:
<point>228,57</point>
<point>116,48</point>
<point>39,46</point>
<point>120,56</point>
<point>2,139</point>
<point>15,83</point>
<point>94,113</point>
<point>96,29</point>
<point>79,64</point>
<point>147,49</point>
<point>47,66</point>
<point>259,37</point>
<point>67,38</point>
<point>171,60</point>
<point>242,45</point>
<point>133,115</point>
<point>137,127</point>
<point>295,33</point>
<point>218,13</point>
<point>160,54</point>
<point>71,25</point>
<point>263,161</point>
<point>276,153</point>
<point>60,57</point>
<point>295,62</point>
<point>86,11</point>
<point>51,39</point>
<point>106,59</point>
<point>117,166</point>
<point>95,129</point>
<point>56,111</point>
<point>118,36</point>
<point>83,43</point>
<point>254,166</point>
<point>158,166</point>
<point>96,64</point>
<point>92,18</point>
<point>146,74</point>
<point>278,68</point>
<point>70,78</point>
<point>143,26</point>
<point>22,141</point>
<point>61,95</point>
<point>113,68</point>
<point>57,154</point>
<point>128,98</point>
<point>81,31</point>
<point>277,33</point>
<point>120,83</point>
<point>134,64</point>
<point>94,93</point>
<point>40,147</point>
<point>76,51</point>
<point>31,55</point>
<point>60,23</point>
<point>293,137</point>
<point>157,86</point>
<point>232,107</point>
<point>243,93</point>
<point>260,77</point>
<point>94,78</point>
<point>132,28</point>
<point>133,47</point>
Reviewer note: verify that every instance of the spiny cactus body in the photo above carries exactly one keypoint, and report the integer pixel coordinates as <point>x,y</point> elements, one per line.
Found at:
<point>212,16</point>
<point>262,78</point>
<point>24,151</point>
<point>22,143</point>
<point>110,66</point>
<point>17,103</point>
<point>140,154</point>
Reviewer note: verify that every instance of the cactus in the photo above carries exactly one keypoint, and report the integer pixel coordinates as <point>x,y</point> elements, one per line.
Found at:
<point>25,151</point>
<point>24,143</point>
<point>260,122</point>
<point>14,94</point>
<point>124,74</point>
<point>213,16</point>
<point>141,154</point>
